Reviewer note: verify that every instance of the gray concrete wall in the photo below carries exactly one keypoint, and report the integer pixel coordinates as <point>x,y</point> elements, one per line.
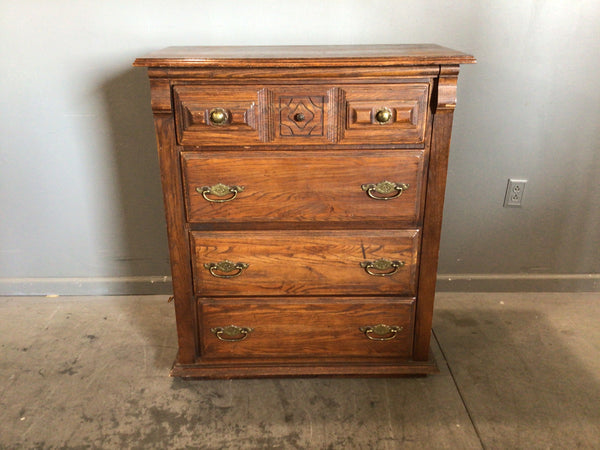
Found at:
<point>79,188</point>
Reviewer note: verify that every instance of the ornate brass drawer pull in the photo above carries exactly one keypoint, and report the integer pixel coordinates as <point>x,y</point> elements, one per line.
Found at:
<point>226,267</point>
<point>382,265</point>
<point>218,116</point>
<point>219,190</point>
<point>231,333</point>
<point>381,332</point>
<point>384,188</point>
<point>383,115</point>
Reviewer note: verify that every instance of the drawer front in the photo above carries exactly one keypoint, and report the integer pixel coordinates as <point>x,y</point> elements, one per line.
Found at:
<point>359,262</point>
<point>349,186</point>
<point>249,115</point>
<point>388,114</point>
<point>216,115</point>
<point>305,328</point>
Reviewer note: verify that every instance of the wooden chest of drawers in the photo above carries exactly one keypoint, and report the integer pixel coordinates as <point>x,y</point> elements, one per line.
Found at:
<point>304,190</point>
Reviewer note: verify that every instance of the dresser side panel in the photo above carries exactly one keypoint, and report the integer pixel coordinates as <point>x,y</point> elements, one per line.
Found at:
<point>178,241</point>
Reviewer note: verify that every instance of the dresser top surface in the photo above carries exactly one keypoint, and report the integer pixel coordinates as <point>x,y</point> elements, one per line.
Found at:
<point>304,56</point>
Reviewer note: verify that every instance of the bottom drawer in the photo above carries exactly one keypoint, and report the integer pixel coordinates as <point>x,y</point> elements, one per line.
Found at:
<point>306,328</point>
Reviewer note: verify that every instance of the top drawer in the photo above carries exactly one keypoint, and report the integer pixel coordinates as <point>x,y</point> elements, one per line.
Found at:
<point>243,115</point>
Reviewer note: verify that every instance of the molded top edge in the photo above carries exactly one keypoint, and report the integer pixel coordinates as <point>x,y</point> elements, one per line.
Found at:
<point>304,56</point>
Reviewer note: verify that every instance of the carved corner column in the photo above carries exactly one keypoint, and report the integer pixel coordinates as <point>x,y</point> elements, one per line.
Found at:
<point>434,203</point>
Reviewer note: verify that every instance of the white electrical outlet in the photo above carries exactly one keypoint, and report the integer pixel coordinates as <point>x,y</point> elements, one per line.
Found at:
<point>514,193</point>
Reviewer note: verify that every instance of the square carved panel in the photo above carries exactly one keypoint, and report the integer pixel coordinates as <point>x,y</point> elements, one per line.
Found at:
<point>301,116</point>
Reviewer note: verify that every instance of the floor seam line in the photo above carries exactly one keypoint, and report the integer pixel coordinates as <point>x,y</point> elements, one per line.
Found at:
<point>460,394</point>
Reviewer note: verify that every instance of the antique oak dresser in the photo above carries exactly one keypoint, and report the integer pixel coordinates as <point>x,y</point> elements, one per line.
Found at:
<point>304,189</point>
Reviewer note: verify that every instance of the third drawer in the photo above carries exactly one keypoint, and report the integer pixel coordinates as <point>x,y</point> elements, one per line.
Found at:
<point>305,262</point>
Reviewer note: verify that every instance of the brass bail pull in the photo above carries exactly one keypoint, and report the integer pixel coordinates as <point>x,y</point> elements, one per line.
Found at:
<point>219,190</point>
<point>381,332</point>
<point>382,190</point>
<point>383,267</point>
<point>231,333</point>
<point>223,269</point>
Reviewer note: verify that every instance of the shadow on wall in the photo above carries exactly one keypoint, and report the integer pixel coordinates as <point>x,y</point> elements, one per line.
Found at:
<point>127,103</point>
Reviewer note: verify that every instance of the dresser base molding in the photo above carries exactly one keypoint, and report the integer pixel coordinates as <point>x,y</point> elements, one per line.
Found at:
<point>362,370</point>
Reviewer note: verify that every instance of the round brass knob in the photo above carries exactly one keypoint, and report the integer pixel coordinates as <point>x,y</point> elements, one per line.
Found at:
<point>383,115</point>
<point>218,116</point>
<point>299,117</point>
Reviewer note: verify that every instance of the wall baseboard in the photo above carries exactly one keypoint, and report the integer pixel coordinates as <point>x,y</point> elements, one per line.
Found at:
<point>142,285</point>
<point>517,282</point>
<point>147,285</point>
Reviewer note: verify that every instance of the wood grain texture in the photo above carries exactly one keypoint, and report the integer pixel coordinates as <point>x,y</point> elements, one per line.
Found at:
<point>298,73</point>
<point>304,187</point>
<point>178,240</point>
<point>305,262</point>
<point>161,95</point>
<point>306,328</point>
<point>304,55</point>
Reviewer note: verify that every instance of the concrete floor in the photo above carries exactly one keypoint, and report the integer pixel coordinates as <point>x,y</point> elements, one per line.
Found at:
<point>518,371</point>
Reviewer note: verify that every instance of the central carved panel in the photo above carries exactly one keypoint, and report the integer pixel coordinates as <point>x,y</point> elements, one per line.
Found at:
<point>301,116</point>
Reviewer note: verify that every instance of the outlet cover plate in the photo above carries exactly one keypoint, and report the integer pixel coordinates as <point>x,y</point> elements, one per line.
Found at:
<point>514,193</point>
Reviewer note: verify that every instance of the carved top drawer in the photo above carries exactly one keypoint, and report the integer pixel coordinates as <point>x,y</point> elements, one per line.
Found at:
<point>304,114</point>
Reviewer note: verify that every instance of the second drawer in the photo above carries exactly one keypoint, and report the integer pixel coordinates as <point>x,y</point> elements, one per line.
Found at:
<point>348,186</point>
<point>357,262</point>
